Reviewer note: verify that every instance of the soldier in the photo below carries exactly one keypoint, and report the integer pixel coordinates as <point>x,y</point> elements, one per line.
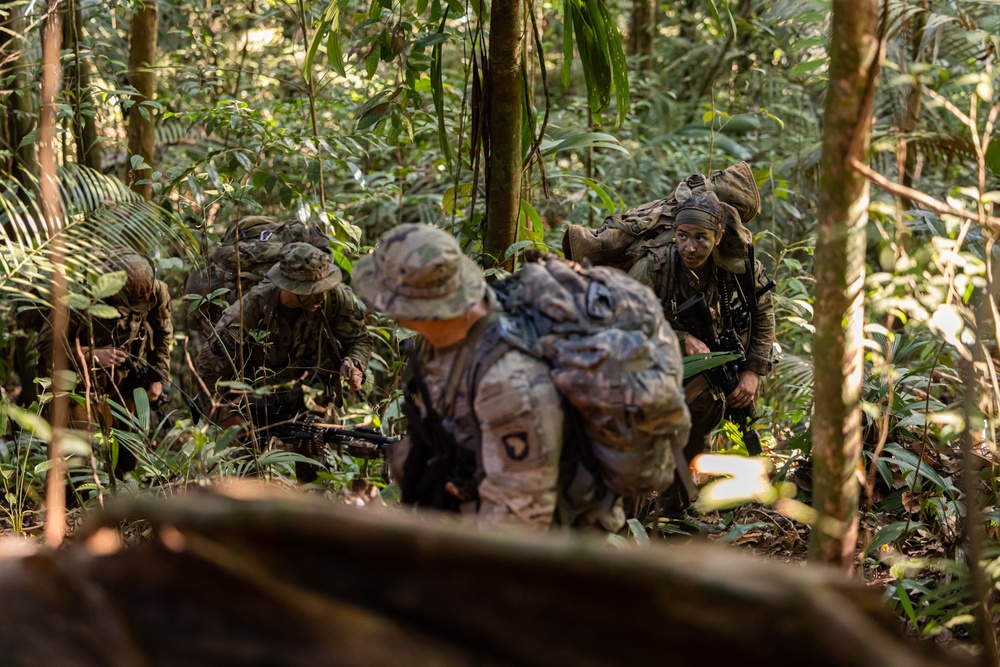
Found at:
<point>708,256</point>
<point>122,354</point>
<point>504,443</point>
<point>298,329</point>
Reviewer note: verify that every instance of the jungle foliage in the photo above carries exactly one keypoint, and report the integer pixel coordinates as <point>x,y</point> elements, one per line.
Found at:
<point>357,115</point>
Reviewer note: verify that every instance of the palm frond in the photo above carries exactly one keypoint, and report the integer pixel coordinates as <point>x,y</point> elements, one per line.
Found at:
<point>100,215</point>
<point>793,379</point>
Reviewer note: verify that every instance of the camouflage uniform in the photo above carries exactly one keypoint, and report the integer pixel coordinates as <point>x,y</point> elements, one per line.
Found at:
<point>661,268</point>
<point>289,348</point>
<point>143,330</point>
<point>514,425</point>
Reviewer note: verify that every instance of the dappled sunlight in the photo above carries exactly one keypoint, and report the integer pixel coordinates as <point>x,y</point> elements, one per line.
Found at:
<point>743,480</point>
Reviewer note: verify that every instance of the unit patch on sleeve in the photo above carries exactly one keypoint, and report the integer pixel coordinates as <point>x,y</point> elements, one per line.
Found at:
<point>516,446</point>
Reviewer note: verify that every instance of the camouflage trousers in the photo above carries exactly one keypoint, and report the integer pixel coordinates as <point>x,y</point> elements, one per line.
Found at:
<point>707,408</point>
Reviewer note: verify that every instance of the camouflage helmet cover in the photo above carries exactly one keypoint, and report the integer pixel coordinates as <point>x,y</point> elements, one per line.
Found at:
<point>304,269</point>
<point>419,272</point>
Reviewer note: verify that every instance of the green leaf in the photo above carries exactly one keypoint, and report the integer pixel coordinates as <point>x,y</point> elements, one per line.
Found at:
<point>807,66</point>
<point>638,532</point>
<point>515,248</point>
<point>582,140</point>
<point>530,223</point>
<point>699,363</point>
<point>77,301</point>
<point>138,163</point>
<point>141,408</point>
<point>374,115</point>
<point>619,65</point>
<point>29,139</point>
<point>103,311</point>
<point>29,421</point>
<point>904,601</point>
<point>109,284</point>
<point>890,533</point>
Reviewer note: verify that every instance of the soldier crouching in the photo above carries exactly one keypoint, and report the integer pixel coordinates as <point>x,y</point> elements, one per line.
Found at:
<point>297,331</point>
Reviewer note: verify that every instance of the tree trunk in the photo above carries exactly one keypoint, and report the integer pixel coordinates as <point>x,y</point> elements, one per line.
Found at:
<point>503,190</point>
<point>642,27</point>
<point>907,159</point>
<point>22,110</point>
<point>141,60</point>
<point>88,152</point>
<point>843,213</point>
<point>55,480</point>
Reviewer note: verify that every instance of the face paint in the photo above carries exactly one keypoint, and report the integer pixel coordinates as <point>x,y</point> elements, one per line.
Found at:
<point>310,302</point>
<point>695,245</point>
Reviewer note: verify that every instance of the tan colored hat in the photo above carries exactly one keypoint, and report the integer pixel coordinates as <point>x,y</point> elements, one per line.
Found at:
<point>304,269</point>
<point>418,272</point>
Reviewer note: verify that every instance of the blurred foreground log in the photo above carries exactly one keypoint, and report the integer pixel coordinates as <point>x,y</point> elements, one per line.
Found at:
<point>300,582</point>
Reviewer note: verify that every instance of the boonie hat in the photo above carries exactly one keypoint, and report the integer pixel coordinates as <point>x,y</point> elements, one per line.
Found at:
<point>419,272</point>
<point>304,269</point>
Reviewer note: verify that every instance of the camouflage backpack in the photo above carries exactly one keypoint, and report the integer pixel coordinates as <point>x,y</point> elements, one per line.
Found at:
<point>614,359</point>
<point>621,239</point>
<point>260,242</point>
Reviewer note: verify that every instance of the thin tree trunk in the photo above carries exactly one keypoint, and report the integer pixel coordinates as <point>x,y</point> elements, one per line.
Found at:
<point>843,214</point>
<point>55,482</point>
<point>88,152</point>
<point>911,111</point>
<point>503,203</point>
<point>141,60</point>
<point>642,27</point>
<point>22,110</point>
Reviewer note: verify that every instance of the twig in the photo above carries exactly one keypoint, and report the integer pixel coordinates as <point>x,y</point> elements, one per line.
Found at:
<point>87,388</point>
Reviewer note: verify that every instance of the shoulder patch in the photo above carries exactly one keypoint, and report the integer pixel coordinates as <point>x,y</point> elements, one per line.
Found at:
<point>516,445</point>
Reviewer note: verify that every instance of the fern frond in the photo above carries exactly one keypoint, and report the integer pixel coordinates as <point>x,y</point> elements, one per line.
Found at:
<point>100,215</point>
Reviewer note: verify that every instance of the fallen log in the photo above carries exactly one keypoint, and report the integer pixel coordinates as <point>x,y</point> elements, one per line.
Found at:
<point>301,582</point>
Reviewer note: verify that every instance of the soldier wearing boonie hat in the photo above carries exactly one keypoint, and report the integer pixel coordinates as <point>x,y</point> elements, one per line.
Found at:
<point>419,273</point>
<point>511,429</point>
<point>313,334</point>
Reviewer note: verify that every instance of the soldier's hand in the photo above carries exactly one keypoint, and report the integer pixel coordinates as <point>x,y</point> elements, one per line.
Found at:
<point>107,357</point>
<point>352,375</point>
<point>154,391</point>
<point>694,346</point>
<point>745,391</point>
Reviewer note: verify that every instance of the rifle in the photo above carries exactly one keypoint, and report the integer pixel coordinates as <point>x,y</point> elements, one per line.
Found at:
<point>141,376</point>
<point>309,435</point>
<point>696,317</point>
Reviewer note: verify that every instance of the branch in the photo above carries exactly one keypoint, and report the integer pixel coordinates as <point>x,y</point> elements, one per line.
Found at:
<point>917,196</point>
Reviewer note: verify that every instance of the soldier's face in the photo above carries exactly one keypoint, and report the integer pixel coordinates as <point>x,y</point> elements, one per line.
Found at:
<point>695,244</point>
<point>310,302</point>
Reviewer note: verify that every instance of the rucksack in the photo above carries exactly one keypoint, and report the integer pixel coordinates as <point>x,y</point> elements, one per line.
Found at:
<point>260,241</point>
<point>613,358</point>
<point>622,239</point>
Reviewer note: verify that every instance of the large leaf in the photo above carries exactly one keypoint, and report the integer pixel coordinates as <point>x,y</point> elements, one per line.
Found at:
<point>699,363</point>
<point>600,45</point>
<point>100,215</point>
